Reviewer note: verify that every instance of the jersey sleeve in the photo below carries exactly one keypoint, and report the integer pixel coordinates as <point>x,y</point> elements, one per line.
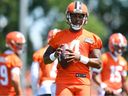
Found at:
<point>35,56</point>
<point>54,41</point>
<point>38,55</point>
<point>16,70</point>
<point>104,60</point>
<point>124,72</point>
<point>15,61</point>
<point>97,44</point>
<point>127,66</point>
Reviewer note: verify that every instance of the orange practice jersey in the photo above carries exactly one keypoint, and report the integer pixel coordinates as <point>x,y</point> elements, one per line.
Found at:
<point>113,70</point>
<point>7,63</point>
<point>82,42</point>
<point>47,72</point>
<point>127,66</point>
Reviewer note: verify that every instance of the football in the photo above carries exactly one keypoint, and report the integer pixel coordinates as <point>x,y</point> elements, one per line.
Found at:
<point>62,58</point>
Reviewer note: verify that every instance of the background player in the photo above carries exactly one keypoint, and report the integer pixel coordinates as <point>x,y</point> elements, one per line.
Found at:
<point>114,68</point>
<point>10,65</point>
<point>43,76</point>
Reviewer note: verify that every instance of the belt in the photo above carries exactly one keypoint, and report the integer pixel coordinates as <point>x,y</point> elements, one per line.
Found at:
<point>80,75</point>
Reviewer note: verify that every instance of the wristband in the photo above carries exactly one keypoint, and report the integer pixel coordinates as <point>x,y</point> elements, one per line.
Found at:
<point>52,56</point>
<point>103,85</point>
<point>84,59</point>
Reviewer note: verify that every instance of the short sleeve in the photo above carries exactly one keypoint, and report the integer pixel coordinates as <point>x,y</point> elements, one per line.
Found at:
<point>14,61</point>
<point>54,42</point>
<point>97,43</point>
<point>104,60</point>
<point>38,55</point>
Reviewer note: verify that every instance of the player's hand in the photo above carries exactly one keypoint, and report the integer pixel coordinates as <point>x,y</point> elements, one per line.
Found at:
<point>108,91</point>
<point>71,56</point>
<point>58,51</point>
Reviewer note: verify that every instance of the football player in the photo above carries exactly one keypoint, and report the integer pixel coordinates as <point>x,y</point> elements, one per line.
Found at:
<point>76,50</point>
<point>10,65</point>
<point>114,68</point>
<point>43,76</point>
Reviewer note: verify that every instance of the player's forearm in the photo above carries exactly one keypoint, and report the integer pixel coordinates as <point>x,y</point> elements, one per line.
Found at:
<point>34,77</point>
<point>52,54</point>
<point>96,79</point>
<point>15,79</point>
<point>49,58</point>
<point>125,87</point>
<point>17,88</point>
<point>94,62</point>
<point>19,92</point>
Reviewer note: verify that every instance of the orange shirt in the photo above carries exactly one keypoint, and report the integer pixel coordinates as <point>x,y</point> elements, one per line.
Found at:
<point>127,66</point>
<point>82,42</point>
<point>7,63</point>
<point>112,70</point>
<point>46,72</point>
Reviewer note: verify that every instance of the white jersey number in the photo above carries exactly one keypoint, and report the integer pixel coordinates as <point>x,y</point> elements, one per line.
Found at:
<point>115,75</point>
<point>3,75</point>
<point>73,45</point>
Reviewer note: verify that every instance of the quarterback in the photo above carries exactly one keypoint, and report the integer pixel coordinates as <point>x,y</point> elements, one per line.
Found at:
<point>76,50</point>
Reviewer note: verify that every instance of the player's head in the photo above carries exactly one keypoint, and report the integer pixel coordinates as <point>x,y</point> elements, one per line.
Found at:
<point>77,15</point>
<point>117,43</point>
<point>15,41</point>
<point>52,33</point>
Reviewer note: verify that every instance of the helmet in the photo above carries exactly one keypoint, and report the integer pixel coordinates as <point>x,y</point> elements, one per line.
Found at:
<point>15,41</point>
<point>76,15</point>
<point>117,43</point>
<point>52,33</point>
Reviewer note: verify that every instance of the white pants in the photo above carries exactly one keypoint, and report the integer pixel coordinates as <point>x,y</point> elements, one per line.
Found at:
<point>101,92</point>
<point>47,87</point>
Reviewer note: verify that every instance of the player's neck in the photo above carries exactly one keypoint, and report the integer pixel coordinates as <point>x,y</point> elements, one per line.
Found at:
<point>114,56</point>
<point>74,31</point>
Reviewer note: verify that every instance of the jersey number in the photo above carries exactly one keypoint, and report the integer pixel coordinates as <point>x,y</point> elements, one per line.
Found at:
<point>3,75</point>
<point>74,45</point>
<point>115,75</point>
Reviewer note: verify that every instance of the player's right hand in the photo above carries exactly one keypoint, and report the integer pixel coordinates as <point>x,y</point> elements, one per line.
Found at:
<point>58,51</point>
<point>108,91</point>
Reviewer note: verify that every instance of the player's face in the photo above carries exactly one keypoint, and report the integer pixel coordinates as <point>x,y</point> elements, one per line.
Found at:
<point>119,49</point>
<point>18,48</point>
<point>77,19</point>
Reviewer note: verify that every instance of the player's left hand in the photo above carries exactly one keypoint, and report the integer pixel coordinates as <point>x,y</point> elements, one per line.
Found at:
<point>71,56</point>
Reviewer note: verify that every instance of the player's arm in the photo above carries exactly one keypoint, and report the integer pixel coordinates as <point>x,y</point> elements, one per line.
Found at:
<point>96,78</point>
<point>51,54</point>
<point>124,83</point>
<point>96,54</point>
<point>34,77</point>
<point>93,60</point>
<point>15,78</point>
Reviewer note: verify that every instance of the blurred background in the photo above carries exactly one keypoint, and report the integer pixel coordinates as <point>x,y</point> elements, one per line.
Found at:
<point>34,18</point>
